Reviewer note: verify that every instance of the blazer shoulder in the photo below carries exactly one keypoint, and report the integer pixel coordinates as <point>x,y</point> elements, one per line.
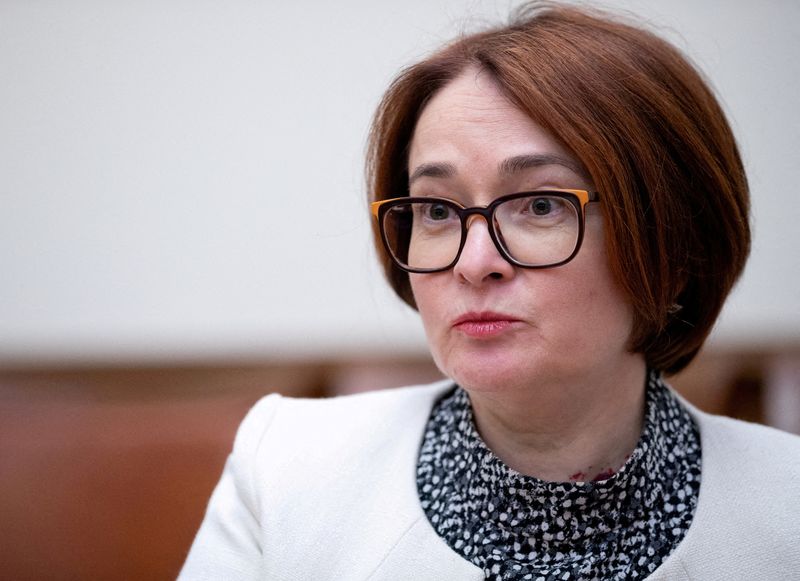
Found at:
<point>752,467</point>
<point>321,423</point>
<point>255,424</point>
<point>748,444</point>
<point>368,407</point>
<point>749,486</point>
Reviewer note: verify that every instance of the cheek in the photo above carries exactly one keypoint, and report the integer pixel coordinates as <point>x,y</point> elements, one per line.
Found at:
<point>433,299</point>
<point>607,312</point>
<point>425,296</point>
<point>597,305</point>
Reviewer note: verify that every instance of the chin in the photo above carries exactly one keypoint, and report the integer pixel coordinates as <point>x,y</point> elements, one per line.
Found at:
<point>491,372</point>
<point>509,368</point>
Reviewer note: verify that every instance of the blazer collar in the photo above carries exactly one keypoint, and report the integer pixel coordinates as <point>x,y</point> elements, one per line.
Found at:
<point>417,551</point>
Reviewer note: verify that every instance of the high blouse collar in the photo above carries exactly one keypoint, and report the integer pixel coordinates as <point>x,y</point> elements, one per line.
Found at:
<point>510,523</point>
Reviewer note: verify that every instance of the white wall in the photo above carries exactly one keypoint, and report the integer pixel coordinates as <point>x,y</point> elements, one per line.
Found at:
<point>183,179</point>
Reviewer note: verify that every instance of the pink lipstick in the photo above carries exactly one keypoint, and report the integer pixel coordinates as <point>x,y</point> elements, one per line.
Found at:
<point>483,324</point>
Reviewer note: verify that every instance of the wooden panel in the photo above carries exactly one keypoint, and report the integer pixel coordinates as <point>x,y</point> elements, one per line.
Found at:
<point>105,474</point>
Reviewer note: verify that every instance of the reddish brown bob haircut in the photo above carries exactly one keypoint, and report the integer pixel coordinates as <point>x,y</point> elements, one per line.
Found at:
<point>648,130</point>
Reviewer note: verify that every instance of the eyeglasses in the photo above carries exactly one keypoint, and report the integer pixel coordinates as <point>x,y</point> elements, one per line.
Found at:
<point>539,229</point>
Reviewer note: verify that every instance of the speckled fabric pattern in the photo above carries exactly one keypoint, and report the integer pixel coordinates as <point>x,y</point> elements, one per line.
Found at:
<point>519,527</point>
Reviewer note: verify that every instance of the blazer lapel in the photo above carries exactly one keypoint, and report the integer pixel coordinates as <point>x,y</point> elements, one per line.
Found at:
<point>420,554</point>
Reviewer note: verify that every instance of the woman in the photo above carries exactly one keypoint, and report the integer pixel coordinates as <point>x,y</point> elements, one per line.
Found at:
<point>563,201</point>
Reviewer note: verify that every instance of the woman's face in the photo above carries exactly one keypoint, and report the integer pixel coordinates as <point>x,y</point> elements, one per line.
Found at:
<point>493,326</point>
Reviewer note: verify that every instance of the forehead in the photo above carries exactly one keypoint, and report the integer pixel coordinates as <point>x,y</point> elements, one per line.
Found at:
<point>470,124</point>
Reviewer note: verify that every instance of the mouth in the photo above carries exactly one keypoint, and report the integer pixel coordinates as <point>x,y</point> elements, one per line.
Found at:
<point>484,324</point>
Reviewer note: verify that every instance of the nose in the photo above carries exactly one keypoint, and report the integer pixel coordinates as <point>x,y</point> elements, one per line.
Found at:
<point>480,260</point>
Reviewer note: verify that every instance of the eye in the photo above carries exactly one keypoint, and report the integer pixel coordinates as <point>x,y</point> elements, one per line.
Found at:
<point>437,212</point>
<point>541,206</point>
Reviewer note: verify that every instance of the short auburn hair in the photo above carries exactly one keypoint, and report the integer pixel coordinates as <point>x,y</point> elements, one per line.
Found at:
<point>651,135</point>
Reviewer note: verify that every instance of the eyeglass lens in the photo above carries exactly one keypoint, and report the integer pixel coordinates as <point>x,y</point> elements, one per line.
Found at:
<point>535,230</point>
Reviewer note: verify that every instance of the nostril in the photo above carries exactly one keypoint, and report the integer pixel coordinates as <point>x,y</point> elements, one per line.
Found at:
<point>496,275</point>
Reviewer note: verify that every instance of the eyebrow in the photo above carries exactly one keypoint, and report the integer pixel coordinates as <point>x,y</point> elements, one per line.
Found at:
<point>520,163</point>
<point>508,166</point>
<point>432,170</point>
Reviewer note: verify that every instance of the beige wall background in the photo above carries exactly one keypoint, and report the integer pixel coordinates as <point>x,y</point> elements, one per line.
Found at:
<point>183,180</point>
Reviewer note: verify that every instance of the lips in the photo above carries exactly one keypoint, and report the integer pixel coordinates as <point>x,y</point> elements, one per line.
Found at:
<point>484,324</point>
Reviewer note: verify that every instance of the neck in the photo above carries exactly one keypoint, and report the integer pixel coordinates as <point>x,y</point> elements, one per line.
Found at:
<point>561,431</point>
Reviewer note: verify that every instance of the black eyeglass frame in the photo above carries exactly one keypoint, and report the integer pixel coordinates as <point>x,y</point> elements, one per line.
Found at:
<point>578,198</point>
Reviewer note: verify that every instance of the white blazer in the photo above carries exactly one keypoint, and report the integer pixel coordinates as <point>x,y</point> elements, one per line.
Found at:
<point>326,489</point>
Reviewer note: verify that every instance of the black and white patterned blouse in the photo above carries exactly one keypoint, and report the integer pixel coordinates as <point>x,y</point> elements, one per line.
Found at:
<point>519,527</point>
